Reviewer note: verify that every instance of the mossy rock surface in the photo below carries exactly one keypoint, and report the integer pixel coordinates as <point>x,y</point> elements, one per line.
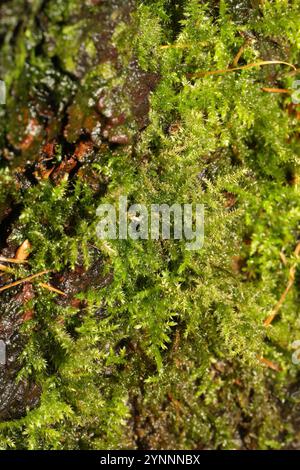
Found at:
<point>145,344</point>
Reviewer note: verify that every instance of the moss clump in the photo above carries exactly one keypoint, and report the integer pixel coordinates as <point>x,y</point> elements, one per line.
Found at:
<point>167,349</point>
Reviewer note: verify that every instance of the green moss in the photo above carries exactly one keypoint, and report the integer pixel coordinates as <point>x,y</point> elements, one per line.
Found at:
<point>166,354</point>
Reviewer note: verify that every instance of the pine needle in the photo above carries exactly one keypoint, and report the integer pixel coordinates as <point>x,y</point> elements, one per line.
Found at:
<point>12,260</point>
<point>52,289</point>
<point>182,46</point>
<point>22,281</point>
<point>5,268</point>
<point>276,90</point>
<point>175,46</point>
<point>242,67</point>
<point>290,284</point>
<point>240,52</point>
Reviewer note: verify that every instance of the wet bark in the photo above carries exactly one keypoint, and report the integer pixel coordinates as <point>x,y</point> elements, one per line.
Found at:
<point>71,98</point>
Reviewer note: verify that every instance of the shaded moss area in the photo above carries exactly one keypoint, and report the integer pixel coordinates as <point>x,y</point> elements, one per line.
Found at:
<point>151,345</point>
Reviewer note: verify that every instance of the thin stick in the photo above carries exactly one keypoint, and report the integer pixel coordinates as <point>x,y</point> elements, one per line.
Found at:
<point>52,289</point>
<point>243,67</point>
<point>21,281</point>
<point>290,284</point>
